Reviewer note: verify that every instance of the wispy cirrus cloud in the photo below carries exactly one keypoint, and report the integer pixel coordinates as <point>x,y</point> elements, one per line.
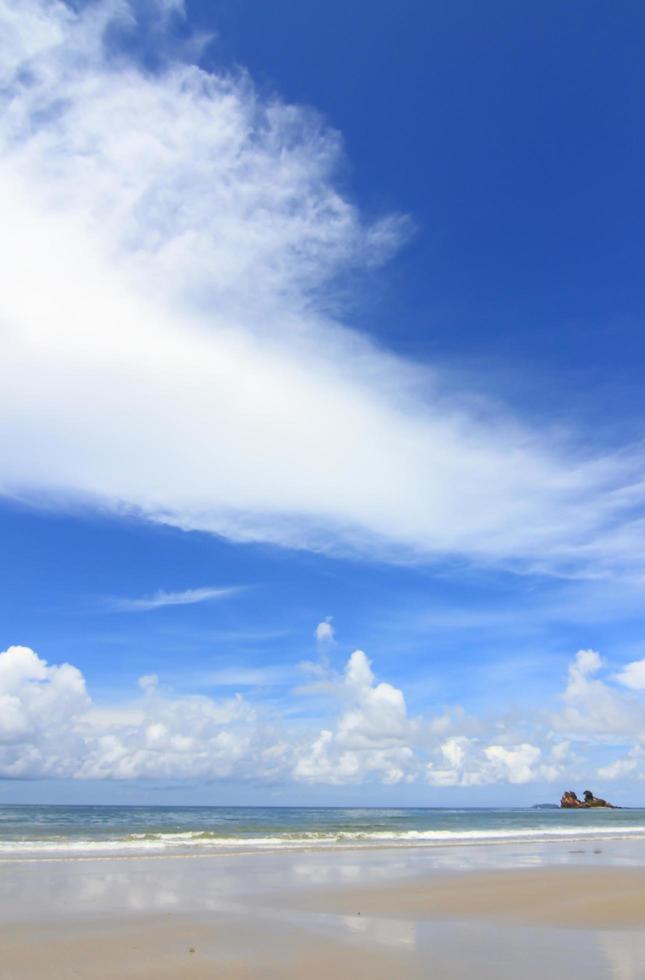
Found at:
<point>161,599</point>
<point>269,675</point>
<point>184,362</point>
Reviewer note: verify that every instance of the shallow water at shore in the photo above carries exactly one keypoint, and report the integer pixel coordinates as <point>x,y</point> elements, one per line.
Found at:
<point>83,830</point>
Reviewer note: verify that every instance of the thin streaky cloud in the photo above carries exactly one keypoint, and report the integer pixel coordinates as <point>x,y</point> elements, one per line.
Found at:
<point>272,675</point>
<point>161,599</point>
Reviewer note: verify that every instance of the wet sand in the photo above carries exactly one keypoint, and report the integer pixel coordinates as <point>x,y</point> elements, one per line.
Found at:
<point>566,898</point>
<point>387,915</point>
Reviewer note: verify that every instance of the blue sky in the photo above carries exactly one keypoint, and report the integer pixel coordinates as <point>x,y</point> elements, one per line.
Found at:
<point>321,315</point>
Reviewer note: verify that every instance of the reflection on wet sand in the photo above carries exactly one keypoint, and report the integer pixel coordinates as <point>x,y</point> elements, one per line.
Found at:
<point>451,913</point>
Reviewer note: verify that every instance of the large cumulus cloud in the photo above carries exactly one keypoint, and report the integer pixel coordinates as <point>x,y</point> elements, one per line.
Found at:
<point>50,727</point>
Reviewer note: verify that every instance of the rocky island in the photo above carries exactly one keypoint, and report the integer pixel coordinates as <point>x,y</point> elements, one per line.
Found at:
<point>570,801</point>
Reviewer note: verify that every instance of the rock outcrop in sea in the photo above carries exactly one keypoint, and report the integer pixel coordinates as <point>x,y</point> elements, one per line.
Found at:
<point>570,801</point>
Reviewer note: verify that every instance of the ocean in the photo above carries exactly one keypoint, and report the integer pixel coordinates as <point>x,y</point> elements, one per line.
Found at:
<point>77,831</point>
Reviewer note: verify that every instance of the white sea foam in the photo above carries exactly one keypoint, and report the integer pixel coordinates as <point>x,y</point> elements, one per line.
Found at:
<point>198,841</point>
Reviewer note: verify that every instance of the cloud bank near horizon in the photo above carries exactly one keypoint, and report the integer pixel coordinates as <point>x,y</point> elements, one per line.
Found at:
<point>50,728</point>
<point>170,245</point>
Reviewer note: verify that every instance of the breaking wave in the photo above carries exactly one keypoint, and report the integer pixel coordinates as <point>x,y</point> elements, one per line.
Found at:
<point>203,841</point>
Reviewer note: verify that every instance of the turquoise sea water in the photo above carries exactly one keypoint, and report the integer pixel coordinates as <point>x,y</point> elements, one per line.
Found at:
<point>78,830</point>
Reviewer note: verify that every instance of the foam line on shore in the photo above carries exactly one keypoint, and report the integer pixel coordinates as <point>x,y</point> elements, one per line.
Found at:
<point>204,841</point>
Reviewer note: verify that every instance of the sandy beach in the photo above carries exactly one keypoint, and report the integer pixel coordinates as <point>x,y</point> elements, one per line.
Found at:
<point>449,912</point>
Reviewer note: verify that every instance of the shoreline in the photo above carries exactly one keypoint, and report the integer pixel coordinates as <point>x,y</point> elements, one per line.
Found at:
<point>93,850</point>
<point>313,849</point>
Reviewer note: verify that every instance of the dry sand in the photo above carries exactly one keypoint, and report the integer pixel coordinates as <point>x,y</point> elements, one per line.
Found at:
<point>283,917</point>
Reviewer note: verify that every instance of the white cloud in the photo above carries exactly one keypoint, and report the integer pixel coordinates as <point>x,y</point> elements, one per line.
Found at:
<point>169,244</point>
<point>149,682</point>
<point>190,736</point>
<point>38,706</point>
<point>622,767</point>
<point>593,708</point>
<point>516,764</point>
<point>372,735</point>
<point>462,761</point>
<point>265,676</point>
<point>325,634</point>
<point>161,599</point>
<point>49,727</point>
<point>633,675</point>
<point>378,713</point>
